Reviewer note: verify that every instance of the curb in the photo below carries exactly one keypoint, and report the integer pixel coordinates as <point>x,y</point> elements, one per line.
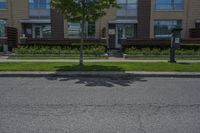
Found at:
<point>110,74</point>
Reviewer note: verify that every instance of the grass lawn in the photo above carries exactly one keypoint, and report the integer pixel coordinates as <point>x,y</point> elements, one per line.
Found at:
<point>101,66</point>
<point>93,57</point>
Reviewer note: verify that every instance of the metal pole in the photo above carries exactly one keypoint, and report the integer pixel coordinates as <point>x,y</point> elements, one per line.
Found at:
<point>172,51</point>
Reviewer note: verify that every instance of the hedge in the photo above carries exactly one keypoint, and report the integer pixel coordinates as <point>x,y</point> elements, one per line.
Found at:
<point>92,50</point>
<point>157,51</point>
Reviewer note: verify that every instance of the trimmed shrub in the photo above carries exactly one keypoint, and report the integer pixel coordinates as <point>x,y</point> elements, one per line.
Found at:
<point>157,51</point>
<point>93,50</point>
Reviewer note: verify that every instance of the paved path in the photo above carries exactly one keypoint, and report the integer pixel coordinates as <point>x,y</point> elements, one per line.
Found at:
<point>97,60</point>
<point>99,105</point>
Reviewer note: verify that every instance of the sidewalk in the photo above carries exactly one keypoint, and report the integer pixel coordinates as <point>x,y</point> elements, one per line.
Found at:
<point>99,74</point>
<point>97,60</point>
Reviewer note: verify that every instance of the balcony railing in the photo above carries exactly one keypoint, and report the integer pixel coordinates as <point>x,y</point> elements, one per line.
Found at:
<point>195,33</point>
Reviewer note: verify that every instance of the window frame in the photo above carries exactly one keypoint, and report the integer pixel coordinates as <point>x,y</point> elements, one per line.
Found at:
<point>166,20</point>
<point>6,6</point>
<point>6,24</point>
<point>172,6</point>
<point>126,10</point>
<point>39,12</point>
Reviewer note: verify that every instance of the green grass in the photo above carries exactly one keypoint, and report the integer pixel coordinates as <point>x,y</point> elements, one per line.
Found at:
<point>101,66</point>
<point>93,57</point>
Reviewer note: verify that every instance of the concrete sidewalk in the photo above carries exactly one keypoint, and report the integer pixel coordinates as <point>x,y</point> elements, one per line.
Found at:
<point>96,60</point>
<point>98,73</point>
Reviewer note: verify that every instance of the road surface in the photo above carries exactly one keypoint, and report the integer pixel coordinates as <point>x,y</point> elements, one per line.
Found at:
<point>99,105</point>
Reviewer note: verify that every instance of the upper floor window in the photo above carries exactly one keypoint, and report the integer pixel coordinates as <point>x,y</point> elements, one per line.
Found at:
<point>39,4</point>
<point>198,25</point>
<point>169,4</point>
<point>74,29</point>
<point>3,4</point>
<point>39,8</point>
<point>128,8</point>
<point>3,24</point>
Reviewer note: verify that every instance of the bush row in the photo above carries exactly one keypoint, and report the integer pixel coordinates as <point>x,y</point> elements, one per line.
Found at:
<point>93,50</point>
<point>157,51</point>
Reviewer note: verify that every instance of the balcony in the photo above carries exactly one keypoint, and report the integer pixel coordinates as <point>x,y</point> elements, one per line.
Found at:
<point>194,33</point>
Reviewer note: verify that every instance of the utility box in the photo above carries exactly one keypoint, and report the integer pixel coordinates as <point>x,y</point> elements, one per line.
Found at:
<point>176,38</point>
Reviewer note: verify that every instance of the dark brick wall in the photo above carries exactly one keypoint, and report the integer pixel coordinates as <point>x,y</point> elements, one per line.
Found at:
<point>144,16</point>
<point>57,25</point>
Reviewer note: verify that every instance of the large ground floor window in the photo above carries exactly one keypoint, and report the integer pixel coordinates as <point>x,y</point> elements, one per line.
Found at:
<point>37,30</point>
<point>74,30</point>
<point>3,24</point>
<point>162,28</point>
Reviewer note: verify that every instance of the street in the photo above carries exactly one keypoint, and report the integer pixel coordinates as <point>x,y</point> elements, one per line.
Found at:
<point>99,105</point>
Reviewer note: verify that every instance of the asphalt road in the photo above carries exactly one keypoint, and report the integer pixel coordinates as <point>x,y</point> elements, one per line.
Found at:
<point>99,105</point>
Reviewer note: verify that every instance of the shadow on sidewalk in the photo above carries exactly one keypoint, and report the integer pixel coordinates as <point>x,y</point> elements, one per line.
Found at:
<point>103,79</point>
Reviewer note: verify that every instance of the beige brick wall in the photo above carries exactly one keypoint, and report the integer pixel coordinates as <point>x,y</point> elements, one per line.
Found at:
<point>193,13</point>
<point>168,15</point>
<point>103,22</point>
<point>188,16</point>
<point>4,14</point>
<point>20,11</point>
<point>17,10</point>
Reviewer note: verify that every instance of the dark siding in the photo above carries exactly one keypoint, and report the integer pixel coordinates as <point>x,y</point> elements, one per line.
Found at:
<point>144,16</point>
<point>57,25</point>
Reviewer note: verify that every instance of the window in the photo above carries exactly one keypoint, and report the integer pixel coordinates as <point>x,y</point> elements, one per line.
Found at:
<point>198,25</point>
<point>3,24</point>
<point>128,8</point>
<point>91,30</point>
<point>169,4</point>
<point>162,28</point>
<point>39,8</point>
<point>3,4</point>
<point>39,4</point>
<point>46,31</point>
<point>74,29</point>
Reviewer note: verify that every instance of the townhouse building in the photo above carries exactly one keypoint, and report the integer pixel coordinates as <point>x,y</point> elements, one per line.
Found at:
<point>30,17</point>
<point>136,19</point>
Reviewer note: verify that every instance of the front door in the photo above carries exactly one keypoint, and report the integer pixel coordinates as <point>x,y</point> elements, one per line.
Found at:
<point>124,31</point>
<point>37,31</point>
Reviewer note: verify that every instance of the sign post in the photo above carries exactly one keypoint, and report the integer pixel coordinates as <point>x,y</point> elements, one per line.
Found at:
<point>175,43</point>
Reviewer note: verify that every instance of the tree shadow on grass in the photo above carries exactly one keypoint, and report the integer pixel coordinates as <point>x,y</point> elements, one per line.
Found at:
<point>183,63</point>
<point>103,78</point>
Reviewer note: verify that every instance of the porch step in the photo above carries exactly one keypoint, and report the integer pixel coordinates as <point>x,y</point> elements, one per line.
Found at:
<point>115,53</point>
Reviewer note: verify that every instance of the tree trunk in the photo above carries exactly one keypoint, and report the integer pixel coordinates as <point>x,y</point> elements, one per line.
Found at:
<point>82,34</point>
<point>82,42</point>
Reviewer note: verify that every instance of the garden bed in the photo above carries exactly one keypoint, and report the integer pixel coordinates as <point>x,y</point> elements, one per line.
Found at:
<point>160,52</point>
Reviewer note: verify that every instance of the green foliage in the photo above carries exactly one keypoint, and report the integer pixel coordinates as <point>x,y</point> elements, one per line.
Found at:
<point>92,50</point>
<point>157,51</point>
<point>77,11</point>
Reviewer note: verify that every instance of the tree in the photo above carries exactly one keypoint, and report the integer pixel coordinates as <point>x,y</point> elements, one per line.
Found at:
<point>83,11</point>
